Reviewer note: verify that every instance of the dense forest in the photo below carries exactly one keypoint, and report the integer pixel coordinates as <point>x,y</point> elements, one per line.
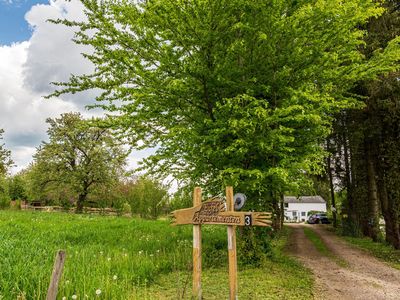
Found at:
<point>284,98</point>
<point>364,147</point>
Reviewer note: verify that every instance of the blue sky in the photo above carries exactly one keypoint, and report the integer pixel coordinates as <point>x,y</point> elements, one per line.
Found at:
<point>13,26</point>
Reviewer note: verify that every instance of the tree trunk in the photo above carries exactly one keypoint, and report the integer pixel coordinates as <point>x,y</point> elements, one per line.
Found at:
<point>276,222</point>
<point>373,206</point>
<point>81,200</point>
<point>332,190</point>
<point>392,228</point>
<point>282,210</point>
<point>350,202</point>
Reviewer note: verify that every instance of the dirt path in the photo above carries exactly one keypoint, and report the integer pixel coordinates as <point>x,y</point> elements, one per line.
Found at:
<point>364,278</point>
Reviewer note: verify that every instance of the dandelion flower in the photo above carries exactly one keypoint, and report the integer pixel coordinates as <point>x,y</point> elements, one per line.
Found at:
<point>64,298</point>
<point>98,292</point>
<point>115,277</point>
<point>74,297</point>
<point>108,258</point>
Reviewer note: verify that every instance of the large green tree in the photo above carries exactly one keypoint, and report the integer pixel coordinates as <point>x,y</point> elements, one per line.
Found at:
<point>77,158</point>
<point>229,91</point>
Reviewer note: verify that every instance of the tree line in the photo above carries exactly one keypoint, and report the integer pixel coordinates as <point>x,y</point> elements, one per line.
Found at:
<point>364,145</point>
<point>82,165</point>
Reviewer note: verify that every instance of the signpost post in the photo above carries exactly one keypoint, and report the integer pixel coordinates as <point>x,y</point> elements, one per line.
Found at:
<point>215,212</point>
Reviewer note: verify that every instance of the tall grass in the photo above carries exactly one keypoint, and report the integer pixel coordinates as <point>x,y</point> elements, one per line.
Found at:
<point>108,255</point>
<point>122,258</point>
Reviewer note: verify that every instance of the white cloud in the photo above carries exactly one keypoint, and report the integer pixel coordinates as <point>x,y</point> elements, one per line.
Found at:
<point>22,111</point>
<point>22,154</point>
<point>26,70</point>
<point>52,56</point>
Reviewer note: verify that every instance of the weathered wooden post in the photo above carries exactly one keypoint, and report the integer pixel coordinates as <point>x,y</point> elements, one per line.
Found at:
<point>232,258</point>
<point>197,249</point>
<point>215,212</point>
<point>56,275</point>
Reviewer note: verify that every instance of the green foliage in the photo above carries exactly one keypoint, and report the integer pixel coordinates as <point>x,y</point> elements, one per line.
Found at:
<point>182,198</point>
<point>231,92</point>
<point>4,196</point>
<point>366,142</point>
<point>17,205</point>
<point>126,208</point>
<point>17,187</point>
<point>5,157</point>
<point>78,159</point>
<point>254,245</point>
<point>148,198</point>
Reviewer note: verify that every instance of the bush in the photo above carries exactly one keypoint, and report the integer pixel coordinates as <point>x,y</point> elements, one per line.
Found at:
<point>16,205</point>
<point>4,201</point>
<point>254,244</point>
<point>4,197</point>
<point>148,198</point>
<point>126,209</point>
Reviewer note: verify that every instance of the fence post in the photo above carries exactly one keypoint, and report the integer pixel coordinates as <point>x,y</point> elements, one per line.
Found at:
<point>55,277</point>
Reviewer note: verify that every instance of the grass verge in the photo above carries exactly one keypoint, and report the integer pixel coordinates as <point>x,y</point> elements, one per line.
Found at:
<point>321,247</point>
<point>380,250</point>
<point>279,277</point>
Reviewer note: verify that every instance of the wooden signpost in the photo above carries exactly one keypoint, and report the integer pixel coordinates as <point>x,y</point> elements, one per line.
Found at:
<point>216,212</point>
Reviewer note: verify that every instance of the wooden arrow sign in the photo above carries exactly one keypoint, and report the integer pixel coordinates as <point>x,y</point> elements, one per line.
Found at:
<point>214,212</point>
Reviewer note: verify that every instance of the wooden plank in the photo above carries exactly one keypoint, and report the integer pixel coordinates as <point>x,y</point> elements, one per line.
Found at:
<point>184,216</point>
<point>56,276</point>
<point>194,215</point>
<point>197,292</point>
<point>233,286</point>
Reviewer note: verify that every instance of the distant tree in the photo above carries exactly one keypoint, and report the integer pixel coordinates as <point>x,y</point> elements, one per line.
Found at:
<point>5,156</point>
<point>17,187</point>
<point>4,197</point>
<point>78,158</point>
<point>147,197</point>
<point>5,163</point>
<point>231,92</point>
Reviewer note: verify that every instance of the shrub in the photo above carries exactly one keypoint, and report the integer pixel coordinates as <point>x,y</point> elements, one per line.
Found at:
<point>126,209</point>
<point>4,201</point>
<point>4,197</point>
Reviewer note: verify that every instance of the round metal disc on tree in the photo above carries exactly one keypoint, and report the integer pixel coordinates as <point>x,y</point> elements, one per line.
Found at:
<point>240,200</point>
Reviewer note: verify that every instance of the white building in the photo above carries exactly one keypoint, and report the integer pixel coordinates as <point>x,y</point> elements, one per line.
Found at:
<point>297,209</point>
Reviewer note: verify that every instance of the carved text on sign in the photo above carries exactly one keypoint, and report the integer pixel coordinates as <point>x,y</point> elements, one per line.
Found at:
<point>214,212</point>
<point>210,213</point>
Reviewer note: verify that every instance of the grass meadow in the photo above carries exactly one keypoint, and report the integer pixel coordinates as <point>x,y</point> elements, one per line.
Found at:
<point>129,258</point>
